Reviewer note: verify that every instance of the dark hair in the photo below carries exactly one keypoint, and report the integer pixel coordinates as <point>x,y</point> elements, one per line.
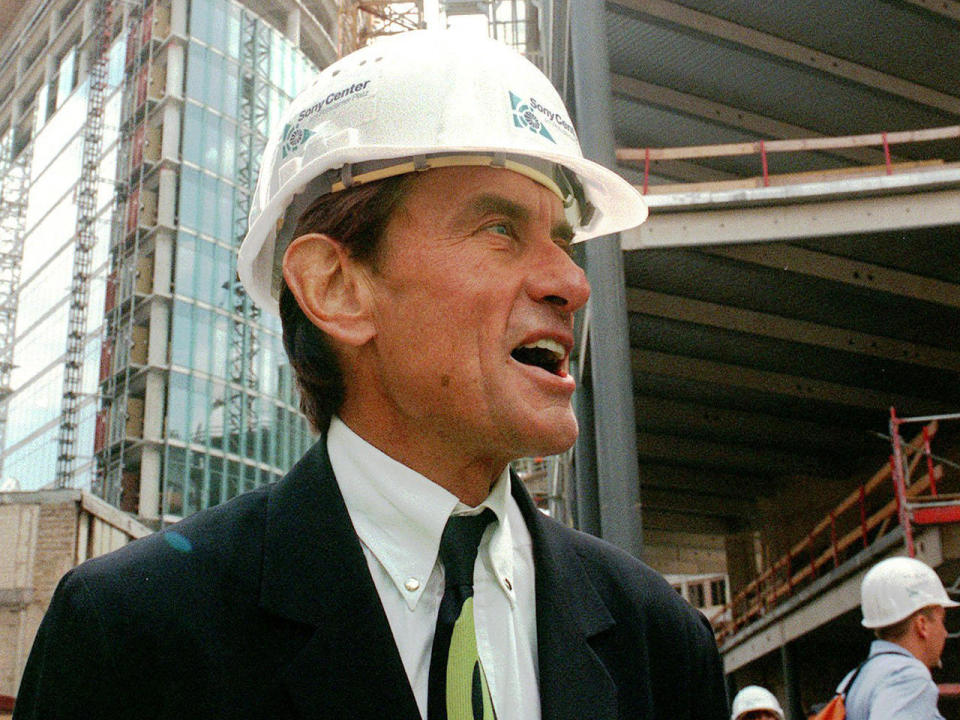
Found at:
<point>356,218</point>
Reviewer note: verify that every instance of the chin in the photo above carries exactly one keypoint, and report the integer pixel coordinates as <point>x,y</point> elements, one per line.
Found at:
<point>550,439</point>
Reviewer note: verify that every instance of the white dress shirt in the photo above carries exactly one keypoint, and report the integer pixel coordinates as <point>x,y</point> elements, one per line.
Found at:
<point>399,516</point>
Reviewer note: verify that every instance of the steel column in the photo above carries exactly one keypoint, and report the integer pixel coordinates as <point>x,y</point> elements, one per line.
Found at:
<point>616,459</point>
<point>587,510</point>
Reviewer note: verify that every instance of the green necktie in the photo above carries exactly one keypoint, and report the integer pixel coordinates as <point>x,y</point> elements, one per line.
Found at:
<point>457,686</point>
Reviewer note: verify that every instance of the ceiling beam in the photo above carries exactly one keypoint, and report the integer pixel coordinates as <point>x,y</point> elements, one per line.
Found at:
<point>730,116</point>
<point>782,328</point>
<point>678,220</point>
<point>794,52</point>
<point>790,258</point>
<point>740,485</point>
<point>666,520</point>
<point>735,376</point>
<point>728,456</point>
<point>946,8</point>
<point>661,415</point>
<point>693,504</point>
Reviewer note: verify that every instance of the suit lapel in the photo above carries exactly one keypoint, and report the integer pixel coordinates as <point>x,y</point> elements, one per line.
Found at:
<point>315,573</point>
<point>574,683</point>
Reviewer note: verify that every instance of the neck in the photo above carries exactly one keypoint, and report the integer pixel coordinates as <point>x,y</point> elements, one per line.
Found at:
<point>916,647</point>
<point>447,465</point>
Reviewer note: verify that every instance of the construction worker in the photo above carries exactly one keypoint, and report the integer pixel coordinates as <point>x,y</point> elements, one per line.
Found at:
<point>411,228</point>
<point>756,703</point>
<point>904,603</point>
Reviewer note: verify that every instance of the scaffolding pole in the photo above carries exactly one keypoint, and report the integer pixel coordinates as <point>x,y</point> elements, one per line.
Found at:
<point>14,186</point>
<point>85,242</point>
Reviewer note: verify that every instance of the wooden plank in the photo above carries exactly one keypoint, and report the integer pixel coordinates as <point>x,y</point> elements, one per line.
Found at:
<point>794,178</point>
<point>792,145</point>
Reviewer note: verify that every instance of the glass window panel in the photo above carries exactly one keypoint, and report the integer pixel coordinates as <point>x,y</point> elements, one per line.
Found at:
<point>186,260</point>
<point>196,70</point>
<point>216,494</point>
<point>200,19</point>
<point>211,142</point>
<point>178,407</point>
<point>202,333</point>
<point>189,194</point>
<point>182,336</point>
<point>208,206</point>
<point>220,342</point>
<point>192,133</point>
<point>203,271</point>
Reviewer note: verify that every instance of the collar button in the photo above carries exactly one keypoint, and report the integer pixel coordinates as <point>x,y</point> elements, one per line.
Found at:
<point>412,584</point>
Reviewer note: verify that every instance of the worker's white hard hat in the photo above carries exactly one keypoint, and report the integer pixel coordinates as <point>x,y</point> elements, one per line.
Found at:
<point>411,102</point>
<point>754,697</point>
<point>897,587</point>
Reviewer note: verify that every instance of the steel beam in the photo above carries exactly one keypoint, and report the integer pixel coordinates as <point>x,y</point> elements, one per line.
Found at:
<point>610,352</point>
<point>708,371</point>
<point>786,218</point>
<point>730,116</point>
<point>762,429</point>
<point>790,258</point>
<point>799,331</point>
<point>793,52</point>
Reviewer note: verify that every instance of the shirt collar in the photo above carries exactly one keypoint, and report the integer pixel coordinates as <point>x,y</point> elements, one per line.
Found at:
<point>399,514</point>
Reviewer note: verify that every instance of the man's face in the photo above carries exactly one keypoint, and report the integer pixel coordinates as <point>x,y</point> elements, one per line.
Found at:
<point>936,635</point>
<point>473,297</point>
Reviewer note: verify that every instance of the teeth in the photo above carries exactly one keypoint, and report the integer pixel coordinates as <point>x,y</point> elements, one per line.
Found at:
<point>547,344</point>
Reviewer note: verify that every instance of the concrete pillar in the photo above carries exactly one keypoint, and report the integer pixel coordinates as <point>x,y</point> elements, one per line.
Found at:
<point>617,470</point>
<point>167,198</point>
<point>292,29</point>
<point>792,707</point>
<point>587,517</point>
<point>162,272</point>
<point>741,550</point>
<point>178,17</point>
<point>170,136</point>
<point>149,509</point>
<point>175,72</point>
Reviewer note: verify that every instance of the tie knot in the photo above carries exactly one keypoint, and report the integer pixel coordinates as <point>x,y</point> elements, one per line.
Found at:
<point>458,546</point>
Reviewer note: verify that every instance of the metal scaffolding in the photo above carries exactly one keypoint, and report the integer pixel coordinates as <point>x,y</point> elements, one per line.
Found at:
<point>101,32</point>
<point>252,130</point>
<point>362,20</point>
<point>14,186</point>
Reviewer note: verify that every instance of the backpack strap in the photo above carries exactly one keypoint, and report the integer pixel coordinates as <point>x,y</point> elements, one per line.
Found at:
<point>849,683</point>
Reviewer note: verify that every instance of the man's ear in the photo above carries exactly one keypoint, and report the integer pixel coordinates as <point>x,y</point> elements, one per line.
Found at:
<point>326,282</point>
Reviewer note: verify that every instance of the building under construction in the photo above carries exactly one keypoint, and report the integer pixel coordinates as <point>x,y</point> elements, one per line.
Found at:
<point>768,370</point>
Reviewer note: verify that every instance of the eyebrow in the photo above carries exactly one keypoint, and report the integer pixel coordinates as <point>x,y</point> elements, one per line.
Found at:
<point>499,205</point>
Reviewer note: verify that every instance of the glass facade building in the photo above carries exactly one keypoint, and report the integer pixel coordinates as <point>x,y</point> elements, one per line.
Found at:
<point>186,397</point>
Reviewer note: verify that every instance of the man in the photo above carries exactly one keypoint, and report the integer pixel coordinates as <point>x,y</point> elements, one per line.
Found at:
<point>411,228</point>
<point>755,703</point>
<point>903,602</point>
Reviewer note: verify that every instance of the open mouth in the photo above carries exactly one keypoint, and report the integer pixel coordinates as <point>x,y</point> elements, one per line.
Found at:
<point>544,353</point>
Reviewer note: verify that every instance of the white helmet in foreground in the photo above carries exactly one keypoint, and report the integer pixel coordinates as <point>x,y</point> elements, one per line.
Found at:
<point>897,587</point>
<point>754,697</point>
<point>415,101</point>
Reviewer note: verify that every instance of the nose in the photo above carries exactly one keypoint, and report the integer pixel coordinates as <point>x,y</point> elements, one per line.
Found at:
<point>557,280</point>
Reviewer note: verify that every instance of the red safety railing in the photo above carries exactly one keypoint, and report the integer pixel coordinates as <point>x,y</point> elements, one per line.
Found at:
<point>860,519</point>
<point>763,148</point>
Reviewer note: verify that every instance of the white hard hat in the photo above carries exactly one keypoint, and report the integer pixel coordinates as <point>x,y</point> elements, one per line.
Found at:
<point>411,102</point>
<point>754,697</point>
<point>897,587</point>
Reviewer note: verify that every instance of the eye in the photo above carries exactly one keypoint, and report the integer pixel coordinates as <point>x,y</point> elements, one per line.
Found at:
<point>500,228</point>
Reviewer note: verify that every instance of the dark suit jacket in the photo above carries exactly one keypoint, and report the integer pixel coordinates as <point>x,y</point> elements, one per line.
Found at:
<point>264,608</point>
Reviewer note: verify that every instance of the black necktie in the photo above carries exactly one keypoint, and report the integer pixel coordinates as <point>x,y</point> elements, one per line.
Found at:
<point>457,685</point>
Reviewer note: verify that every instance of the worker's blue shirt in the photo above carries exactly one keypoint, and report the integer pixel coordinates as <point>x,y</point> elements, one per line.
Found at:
<point>895,686</point>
